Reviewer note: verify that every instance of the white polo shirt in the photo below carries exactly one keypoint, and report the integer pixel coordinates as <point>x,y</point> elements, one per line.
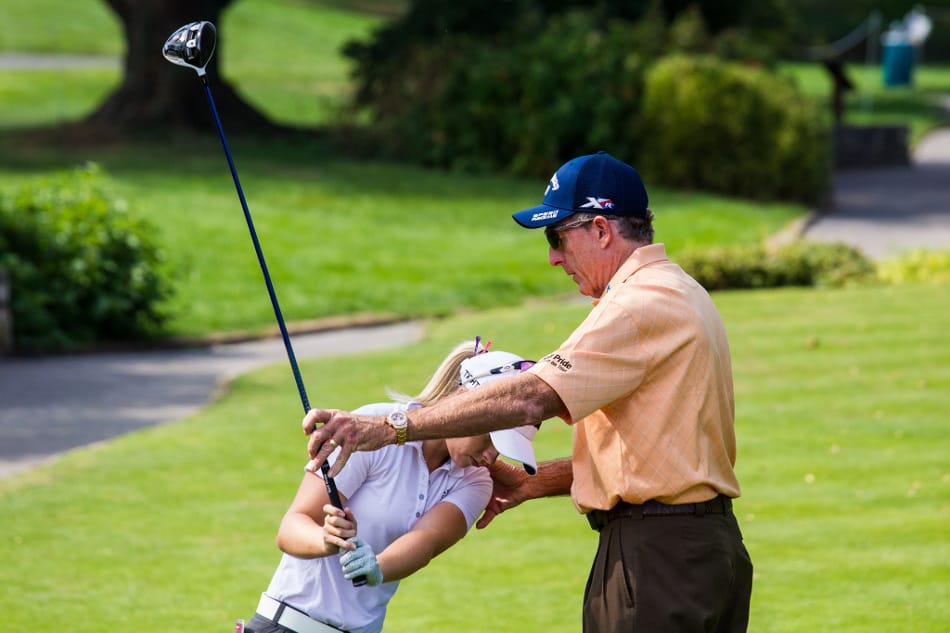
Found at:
<point>388,491</point>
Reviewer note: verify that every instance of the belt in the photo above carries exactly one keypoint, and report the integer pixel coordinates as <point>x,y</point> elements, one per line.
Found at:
<point>598,519</point>
<point>282,614</point>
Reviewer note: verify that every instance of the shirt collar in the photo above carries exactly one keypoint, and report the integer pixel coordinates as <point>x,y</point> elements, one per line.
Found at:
<point>643,256</point>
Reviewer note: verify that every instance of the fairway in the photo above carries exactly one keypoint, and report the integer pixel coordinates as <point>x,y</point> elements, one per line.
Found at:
<point>842,398</point>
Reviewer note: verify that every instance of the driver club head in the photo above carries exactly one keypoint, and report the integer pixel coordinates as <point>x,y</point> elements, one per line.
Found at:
<point>192,45</point>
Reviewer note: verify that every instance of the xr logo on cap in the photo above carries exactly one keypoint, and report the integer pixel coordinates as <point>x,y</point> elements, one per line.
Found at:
<point>598,203</point>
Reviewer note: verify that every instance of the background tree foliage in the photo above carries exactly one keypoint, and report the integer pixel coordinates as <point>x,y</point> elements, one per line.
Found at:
<point>524,89</point>
<point>83,270</point>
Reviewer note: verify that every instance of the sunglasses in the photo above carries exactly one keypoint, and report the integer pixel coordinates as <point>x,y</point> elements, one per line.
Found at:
<point>552,233</point>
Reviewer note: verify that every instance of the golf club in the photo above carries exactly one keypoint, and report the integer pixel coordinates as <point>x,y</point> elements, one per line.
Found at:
<point>193,45</point>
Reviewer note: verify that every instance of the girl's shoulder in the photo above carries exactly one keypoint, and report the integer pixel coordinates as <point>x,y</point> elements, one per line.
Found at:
<point>384,408</point>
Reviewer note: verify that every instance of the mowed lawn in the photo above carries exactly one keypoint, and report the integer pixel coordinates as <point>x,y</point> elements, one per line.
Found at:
<point>842,402</point>
<point>345,237</point>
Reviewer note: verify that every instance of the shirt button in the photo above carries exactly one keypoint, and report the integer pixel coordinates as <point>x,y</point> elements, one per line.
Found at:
<point>422,496</point>
<point>418,514</point>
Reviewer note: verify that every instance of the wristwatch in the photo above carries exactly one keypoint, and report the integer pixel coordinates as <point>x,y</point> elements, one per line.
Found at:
<point>399,421</point>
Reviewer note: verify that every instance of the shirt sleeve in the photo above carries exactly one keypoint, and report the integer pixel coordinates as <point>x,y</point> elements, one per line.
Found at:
<point>471,494</point>
<point>603,360</point>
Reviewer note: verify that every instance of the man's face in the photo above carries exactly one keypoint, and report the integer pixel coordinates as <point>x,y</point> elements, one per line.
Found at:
<point>579,252</point>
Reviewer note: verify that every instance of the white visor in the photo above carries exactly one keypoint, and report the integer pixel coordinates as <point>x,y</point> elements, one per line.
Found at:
<point>516,444</point>
<point>488,367</point>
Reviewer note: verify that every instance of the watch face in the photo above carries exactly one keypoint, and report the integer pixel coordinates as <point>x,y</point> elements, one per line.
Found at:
<point>397,419</point>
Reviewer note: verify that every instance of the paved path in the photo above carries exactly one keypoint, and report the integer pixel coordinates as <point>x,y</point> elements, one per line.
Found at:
<point>53,404</point>
<point>53,61</point>
<point>891,210</point>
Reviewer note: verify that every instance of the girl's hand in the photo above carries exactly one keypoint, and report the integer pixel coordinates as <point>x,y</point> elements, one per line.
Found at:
<point>338,527</point>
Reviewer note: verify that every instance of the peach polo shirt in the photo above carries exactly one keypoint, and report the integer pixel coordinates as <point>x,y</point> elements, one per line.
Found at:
<point>647,381</point>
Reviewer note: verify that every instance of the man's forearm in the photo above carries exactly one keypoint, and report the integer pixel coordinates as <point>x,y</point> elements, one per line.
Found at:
<point>552,479</point>
<point>525,399</point>
<point>504,404</point>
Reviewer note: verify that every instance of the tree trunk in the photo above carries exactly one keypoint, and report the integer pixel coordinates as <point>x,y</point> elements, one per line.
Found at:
<point>157,95</point>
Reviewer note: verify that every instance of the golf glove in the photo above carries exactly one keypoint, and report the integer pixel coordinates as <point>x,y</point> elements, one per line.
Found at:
<point>361,562</point>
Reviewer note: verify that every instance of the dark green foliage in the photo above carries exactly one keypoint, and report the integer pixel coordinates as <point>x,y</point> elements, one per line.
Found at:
<point>734,129</point>
<point>572,88</point>
<point>796,264</point>
<point>562,87</point>
<point>81,270</point>
<point>534,84</point>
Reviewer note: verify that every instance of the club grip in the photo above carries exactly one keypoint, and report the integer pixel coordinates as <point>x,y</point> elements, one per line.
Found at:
<point>331,486</point>
<point>359,581</point>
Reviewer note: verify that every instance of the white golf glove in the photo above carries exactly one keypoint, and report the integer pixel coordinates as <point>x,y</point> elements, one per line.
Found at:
<point>361,562</point>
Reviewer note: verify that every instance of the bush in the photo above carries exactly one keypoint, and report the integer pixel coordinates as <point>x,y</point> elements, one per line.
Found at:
<point>525,89</point>
<point>566,86</point>
<point>796,264</point>
<point>917,265</point>
<point>733,129</point>
<point>81,270</point>
<point>571,88</point>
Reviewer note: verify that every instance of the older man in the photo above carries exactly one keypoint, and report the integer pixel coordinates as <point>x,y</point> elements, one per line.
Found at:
<point>646,381</point>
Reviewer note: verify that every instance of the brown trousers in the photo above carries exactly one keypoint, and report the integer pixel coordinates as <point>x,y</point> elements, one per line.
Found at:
<point>658,574</point>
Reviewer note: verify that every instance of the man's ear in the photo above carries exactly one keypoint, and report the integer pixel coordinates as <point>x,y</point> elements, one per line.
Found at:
<point>605,231</point>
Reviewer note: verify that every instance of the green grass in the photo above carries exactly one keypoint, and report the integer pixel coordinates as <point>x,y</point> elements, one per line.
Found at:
<point>842,398</point>
<point>34,98</point>
<point>343,237</point>
<point>83,27</point>
<point>300,77</point>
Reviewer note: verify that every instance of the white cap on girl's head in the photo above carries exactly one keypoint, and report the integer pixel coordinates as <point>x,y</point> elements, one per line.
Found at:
<point>487,367</point>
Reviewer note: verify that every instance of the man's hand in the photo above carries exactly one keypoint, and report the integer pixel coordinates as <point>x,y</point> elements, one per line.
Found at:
<point>338,527</point>
<point>332,428</point>
<point>509,490</point>
<point>361,561</point>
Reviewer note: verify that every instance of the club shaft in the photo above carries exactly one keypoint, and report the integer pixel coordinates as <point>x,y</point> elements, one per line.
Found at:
<point>325,466</point>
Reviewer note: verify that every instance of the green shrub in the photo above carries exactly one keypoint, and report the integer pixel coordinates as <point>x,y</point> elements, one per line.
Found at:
<point>917,265</point>
<point>796,264</point>
<point>524,89</point>
<point>571,87</point>
<point>733,129</point>
<point>81,270</point>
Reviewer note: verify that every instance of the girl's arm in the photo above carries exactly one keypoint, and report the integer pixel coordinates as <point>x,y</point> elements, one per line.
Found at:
<point>301,531</point>
<point>438,529</point>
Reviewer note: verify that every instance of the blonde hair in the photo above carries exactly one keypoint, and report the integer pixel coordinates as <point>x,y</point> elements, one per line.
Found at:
<point>445,381</point>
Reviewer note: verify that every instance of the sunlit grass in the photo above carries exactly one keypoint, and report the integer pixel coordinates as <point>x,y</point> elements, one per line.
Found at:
<point>841,420</point>
<point>344,237</point>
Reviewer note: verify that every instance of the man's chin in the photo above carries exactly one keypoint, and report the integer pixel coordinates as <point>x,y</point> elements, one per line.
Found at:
<point>587,292</point>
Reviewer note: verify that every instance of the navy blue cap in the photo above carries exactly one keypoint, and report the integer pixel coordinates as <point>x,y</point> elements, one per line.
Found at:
<point>596,183</point>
